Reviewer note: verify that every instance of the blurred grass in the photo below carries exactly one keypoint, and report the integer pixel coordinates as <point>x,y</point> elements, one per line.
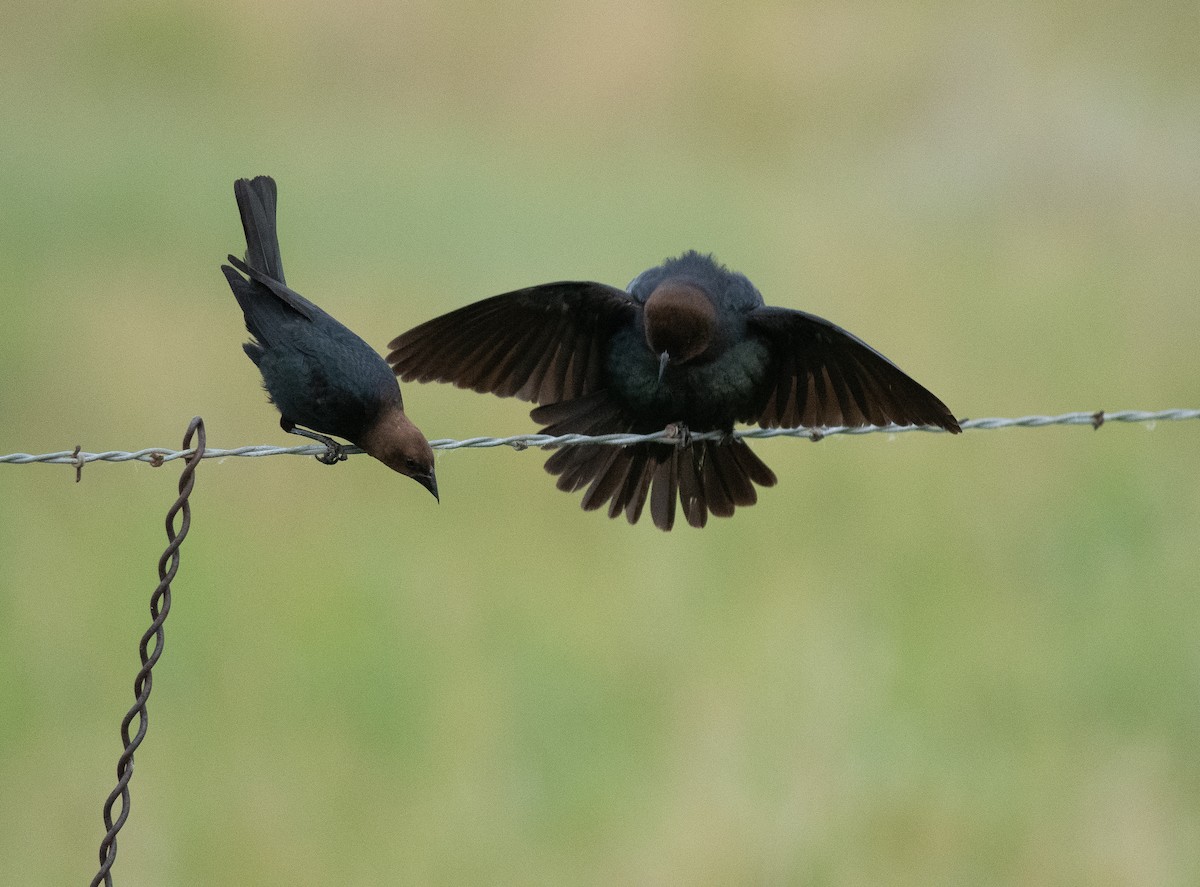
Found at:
<point>917,661</point>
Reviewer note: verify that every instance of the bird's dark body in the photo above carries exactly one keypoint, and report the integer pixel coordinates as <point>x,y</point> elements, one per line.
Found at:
<point>705,394</point>
<point>318,372</point>
<point>689,344</point>
<point>321,375</point>
<point>708,395</point>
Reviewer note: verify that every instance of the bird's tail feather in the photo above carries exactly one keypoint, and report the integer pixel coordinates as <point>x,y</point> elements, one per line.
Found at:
<point>256,199</point>
<point>250,300</point>
<point>705,477</point>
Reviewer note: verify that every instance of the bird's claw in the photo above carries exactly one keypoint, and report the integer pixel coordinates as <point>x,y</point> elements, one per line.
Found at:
<point>679,435</point>
<point>334,453</point>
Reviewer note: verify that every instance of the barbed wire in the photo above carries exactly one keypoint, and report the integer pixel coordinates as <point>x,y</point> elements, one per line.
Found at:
<point>157,456</point>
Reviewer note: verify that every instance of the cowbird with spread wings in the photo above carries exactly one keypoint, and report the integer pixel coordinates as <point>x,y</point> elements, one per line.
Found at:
<point>688,345</point>
<point>323,378</point>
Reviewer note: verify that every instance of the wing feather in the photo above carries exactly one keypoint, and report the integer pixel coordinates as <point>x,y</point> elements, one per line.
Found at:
<point>822,375</point>
<point>543,344</point>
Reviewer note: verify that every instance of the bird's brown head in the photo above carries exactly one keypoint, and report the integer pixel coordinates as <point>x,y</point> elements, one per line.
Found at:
<point>399,444</point>
<point>681,322</point>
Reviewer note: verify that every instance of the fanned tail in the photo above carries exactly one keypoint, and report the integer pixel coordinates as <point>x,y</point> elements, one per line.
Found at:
<point>704,477</point>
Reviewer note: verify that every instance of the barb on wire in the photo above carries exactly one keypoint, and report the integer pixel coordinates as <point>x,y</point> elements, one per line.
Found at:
<point>160,605</point>
<point>157,456</point>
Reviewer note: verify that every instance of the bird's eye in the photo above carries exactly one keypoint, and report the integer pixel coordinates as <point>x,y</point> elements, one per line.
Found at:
<point>411,464</point>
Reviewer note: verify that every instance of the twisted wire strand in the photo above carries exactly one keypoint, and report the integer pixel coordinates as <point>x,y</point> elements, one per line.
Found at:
<point>157,456</point>
<point>160,606</point>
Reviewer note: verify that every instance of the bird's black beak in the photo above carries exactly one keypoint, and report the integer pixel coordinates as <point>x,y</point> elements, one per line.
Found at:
<point>429,482</point>
<point>663,360</point>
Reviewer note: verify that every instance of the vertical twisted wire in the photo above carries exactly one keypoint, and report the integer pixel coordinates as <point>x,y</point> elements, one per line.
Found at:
<point>160,605</point>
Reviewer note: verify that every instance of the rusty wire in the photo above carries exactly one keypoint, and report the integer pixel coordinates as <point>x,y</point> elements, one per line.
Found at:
<point>160,605</point>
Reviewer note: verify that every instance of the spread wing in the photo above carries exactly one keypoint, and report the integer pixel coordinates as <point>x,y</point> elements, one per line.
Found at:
<point>542,344</point>
<point>822,375</point>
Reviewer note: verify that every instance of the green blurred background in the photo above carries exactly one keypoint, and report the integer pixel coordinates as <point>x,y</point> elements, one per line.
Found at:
<point>922,660</point>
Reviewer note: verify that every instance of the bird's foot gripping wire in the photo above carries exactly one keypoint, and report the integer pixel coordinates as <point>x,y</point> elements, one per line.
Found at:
<point>679,435</point>
<point>334,451</point>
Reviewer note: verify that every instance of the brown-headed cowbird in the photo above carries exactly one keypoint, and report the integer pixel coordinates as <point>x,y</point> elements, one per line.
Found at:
<point>690,344</point>
<point>323,378</point>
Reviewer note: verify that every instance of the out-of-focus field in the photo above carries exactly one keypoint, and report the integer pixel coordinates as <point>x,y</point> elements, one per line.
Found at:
<point>919,660</point>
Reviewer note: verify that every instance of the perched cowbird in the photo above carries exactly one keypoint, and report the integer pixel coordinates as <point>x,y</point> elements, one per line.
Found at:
<point>689,345</point>
<point>321,375</point>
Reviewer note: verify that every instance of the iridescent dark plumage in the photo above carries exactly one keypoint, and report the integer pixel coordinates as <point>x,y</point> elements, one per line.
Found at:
<point>320,375</point>
<point>690,344</point>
